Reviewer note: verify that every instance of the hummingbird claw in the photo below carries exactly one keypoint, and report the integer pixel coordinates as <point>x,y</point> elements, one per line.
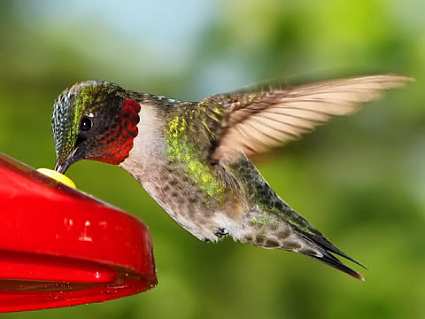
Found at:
<point>221,232</point>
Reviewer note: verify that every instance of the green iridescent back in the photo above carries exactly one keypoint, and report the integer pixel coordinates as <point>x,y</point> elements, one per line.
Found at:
<point>190,133</point>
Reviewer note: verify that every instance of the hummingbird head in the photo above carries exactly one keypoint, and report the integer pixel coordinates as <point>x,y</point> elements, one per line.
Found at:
<point>93,120</point>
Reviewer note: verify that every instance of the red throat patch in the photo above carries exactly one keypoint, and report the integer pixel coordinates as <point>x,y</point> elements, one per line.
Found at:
<point>119,142</point>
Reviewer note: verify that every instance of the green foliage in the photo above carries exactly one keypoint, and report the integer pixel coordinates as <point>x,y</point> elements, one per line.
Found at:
<point>360,180</point>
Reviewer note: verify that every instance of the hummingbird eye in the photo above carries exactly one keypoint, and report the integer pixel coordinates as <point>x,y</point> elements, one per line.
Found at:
<point>86,123</point>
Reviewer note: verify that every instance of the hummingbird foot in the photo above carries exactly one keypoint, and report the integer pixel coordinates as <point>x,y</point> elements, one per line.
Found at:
<point>221,232</point>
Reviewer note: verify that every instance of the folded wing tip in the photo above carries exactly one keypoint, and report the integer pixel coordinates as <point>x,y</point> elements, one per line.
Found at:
<point>396,79</point>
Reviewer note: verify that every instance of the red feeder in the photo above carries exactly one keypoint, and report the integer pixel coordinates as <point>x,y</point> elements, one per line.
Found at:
<point>60,247</point>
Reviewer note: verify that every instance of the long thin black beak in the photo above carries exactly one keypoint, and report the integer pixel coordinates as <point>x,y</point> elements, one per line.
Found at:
<point>62,166</point>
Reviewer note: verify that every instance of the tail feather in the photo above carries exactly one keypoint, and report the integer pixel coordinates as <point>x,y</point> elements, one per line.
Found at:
<point>271,223</point>
<point>334,262</point>
<point>316,241</point>
<point>323,250</point>
<point>324,243</point>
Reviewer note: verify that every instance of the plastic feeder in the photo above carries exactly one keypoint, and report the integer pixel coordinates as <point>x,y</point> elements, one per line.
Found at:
<point>60,247</point>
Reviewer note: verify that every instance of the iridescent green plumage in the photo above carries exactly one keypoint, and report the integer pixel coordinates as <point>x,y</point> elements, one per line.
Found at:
<point>193,157</point>
<point>82,101</point>
<point>188,135</point>
<point>180,149</point>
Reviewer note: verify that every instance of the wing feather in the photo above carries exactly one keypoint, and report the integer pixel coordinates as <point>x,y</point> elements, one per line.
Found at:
<point>258,121</point>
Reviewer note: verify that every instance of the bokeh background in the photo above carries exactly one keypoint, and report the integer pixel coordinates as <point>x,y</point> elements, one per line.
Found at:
<point>361,180</point>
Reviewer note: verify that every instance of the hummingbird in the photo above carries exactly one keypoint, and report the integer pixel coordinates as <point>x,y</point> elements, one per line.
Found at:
<point>194,158</point>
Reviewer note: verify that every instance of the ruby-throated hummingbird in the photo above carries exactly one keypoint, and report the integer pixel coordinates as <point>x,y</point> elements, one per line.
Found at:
<point>193,157</point>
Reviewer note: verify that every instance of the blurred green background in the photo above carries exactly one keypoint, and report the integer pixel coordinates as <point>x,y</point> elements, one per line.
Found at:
<point>361,180</point>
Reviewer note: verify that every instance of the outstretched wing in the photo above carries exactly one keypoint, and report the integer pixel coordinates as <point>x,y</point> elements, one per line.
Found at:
<point>255,121</point>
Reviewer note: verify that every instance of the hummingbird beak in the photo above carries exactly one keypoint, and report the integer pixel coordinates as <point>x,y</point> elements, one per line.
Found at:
<point>62,165</point>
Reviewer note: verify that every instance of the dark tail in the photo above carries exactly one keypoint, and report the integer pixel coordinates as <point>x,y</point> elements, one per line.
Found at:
<point>326,250</point>
<point>316,237</point>
<point>332,261</point>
